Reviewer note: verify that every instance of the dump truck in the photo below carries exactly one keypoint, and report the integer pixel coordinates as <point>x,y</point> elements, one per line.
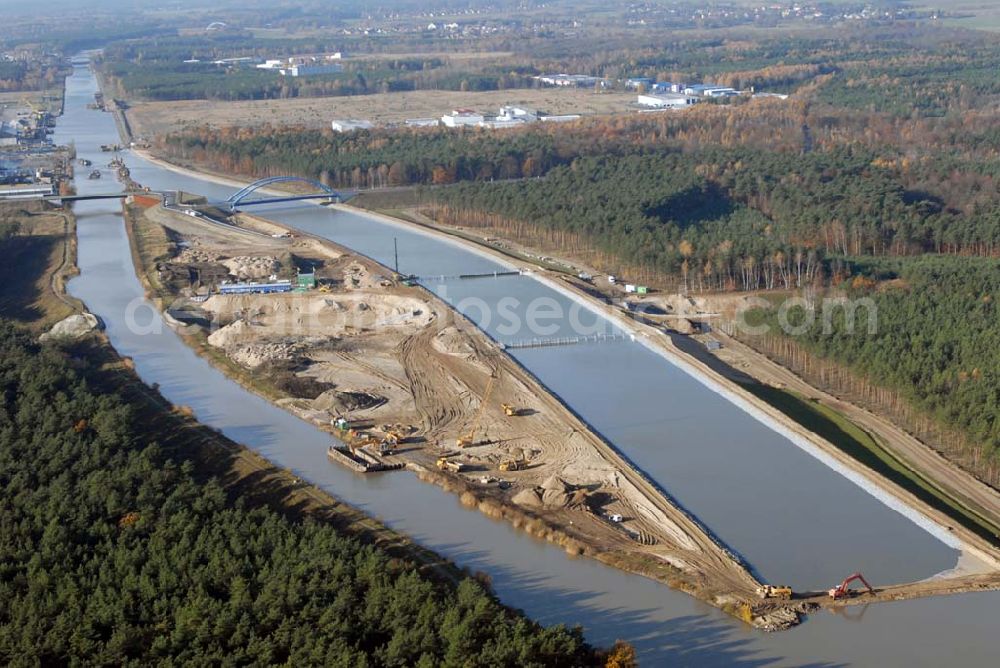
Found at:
<point>446,464</point>
<point>774,591</point>
<point>512,464</point>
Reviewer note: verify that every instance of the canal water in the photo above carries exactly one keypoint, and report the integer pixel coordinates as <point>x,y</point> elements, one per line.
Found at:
<point>791,517</point>
<point>691,440</point>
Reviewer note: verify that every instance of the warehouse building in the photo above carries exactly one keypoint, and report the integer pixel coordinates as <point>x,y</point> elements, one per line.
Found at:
<point>667,101</point>
<point>350,124</point>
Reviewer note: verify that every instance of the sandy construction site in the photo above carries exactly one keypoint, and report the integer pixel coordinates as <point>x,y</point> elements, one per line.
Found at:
<point>394,361</point>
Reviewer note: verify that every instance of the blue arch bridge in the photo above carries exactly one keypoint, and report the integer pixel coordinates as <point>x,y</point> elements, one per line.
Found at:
<point>243,197</point>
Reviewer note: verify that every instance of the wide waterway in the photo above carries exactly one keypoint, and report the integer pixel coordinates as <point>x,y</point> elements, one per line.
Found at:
<point>793,518</point>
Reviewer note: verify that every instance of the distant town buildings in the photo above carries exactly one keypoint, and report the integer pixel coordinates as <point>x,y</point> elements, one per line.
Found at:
<point>509,116</point>
<point>305,66</point>
<point>567,80</point>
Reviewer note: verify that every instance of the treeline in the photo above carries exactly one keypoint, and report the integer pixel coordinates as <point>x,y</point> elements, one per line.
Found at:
<point>934,346</point>
<point>21,76</point>
<point>373,159</point>
<point>181,68</point>
<point>748,188</point>
<point>112,552</point>
<point>195,81</point>
<point>952,78</point>
<point>726,218</point>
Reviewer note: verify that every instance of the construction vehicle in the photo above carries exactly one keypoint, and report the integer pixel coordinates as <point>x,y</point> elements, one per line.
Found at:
<point>469,439</point>
<point>774,591</point>
<point>397,434</point>
<point>509,410</point>
<point>512,464</point>
<point>444,463</point>
<point>841,590</point>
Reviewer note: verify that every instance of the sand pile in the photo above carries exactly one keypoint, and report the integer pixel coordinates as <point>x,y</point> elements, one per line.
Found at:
<point>453,342</point>
<point>340,401</point>
<point>357,277</point>
<point>237,333</point>
<point>246,267</point>
<point>254,354</point>
<point>553,493</point>
<point>318,315</point>
<point>196,256</point>
<point>529,498</point>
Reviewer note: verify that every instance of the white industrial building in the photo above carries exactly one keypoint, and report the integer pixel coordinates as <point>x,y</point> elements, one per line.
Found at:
<point>512,112</point>
<point>667,101</point>
<point>350,124</point>
<point>26,191</point>
<point>310,70</point>
<point>566,80</point>
<point>461,118</point>
<point>709,90</point>
<point>422,122</point>
<point>304,66</point>
<point>559,118</point>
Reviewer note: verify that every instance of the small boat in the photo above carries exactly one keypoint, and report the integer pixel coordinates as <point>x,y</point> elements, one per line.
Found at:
<point>96,174</point>
<point>84,162</point>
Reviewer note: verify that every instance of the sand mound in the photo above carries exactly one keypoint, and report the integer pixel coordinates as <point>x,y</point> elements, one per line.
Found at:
<point>239,332</point>
<point>530,498</point>
<point>556,484</point>
<point>245,266</point>
<point>196,256</point>
<point>337,402</point>
<point>255,354</point>
<point>452,342</point>
<point>319,315</point>
<point>553,493</point>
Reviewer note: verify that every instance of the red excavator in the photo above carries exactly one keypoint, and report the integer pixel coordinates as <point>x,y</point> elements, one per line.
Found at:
<point>841,590</point>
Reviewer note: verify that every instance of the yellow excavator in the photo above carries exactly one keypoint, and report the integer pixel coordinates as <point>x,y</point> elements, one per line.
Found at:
<point>509,410</point>
<point>469,439</point>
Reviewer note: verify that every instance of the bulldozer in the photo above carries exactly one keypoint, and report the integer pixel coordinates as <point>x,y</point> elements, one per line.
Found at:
<point>512,464</point>
<point>774,591</point>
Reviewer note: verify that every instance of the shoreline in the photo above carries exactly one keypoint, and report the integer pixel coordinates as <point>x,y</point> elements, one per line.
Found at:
<point>897,499</point>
